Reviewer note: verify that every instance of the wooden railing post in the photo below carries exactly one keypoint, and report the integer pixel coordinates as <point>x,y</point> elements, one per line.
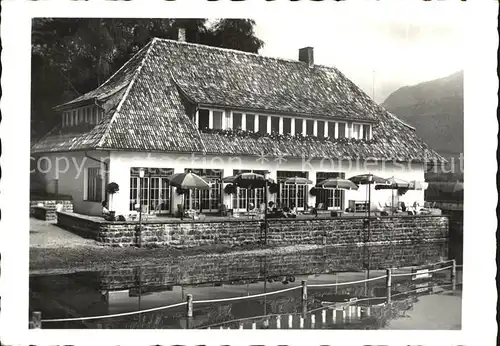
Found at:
<point>36,317</point>
<point>388,283</point>
<point>453,275</point>
<point>189,300</point>
<point>304,290</point>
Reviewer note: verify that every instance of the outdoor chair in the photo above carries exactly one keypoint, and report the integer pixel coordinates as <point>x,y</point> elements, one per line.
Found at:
<point>223,210</point>
<point>253,213</point>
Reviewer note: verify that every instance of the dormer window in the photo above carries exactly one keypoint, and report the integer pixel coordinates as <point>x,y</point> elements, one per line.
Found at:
<point>310,127</point>
<point>219,119</point>
<point>237,121</point>
<point>287,126</point>
<point>275,124</point>
<point>356,131</point>
<point>262,124</point>
<point>321,129</point>
<point>298,126</point>
<point>341,130</point>
<point>367,132</point>
<point>83,115</point>
<point>203,119</point>
<point>250,122</point>
<point>331,129</point>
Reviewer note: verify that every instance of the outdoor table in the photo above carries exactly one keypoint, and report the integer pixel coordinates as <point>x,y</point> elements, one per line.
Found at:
<point>336,213</point>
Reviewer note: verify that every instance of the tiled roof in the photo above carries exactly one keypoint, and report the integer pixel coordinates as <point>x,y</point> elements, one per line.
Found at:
<point>164,82</point>
<point>119,80</point>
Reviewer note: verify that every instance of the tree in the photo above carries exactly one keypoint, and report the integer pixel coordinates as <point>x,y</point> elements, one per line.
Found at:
<point>111,189</point>
<point>236,34</point>
<point>71,56</point>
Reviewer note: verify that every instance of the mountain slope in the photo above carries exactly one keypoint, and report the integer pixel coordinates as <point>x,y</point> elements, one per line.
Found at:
<point>435,109</point>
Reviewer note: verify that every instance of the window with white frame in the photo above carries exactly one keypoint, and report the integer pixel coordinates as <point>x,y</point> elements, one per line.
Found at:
<point>321,129</point>
<point>250,122</point>
<point>94,185</point>
<point>341,130</point>
<point>217,120</point>
<point>275,124</point>
<point>152,191</point>
<point>237,121</point>
<point>310,127</point>
<point>263,124</point>
<point>287,126</point>
<point>298,126</point>
<point>367,132</point>
<point>331,129</point>
<point>203,119</point>
<point>356,131</point>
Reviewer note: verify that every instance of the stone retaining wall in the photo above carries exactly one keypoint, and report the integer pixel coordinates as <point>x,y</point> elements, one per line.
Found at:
<point>46,209</point>
<point>251,267</point>
<point>320,231</point>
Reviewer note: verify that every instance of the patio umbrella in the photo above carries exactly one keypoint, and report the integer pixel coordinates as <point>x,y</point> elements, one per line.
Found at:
<point>188,181</point>
<point>393,183</point>
<point>228,179</point>
<point>337,183</point>
<point>368,179</point>
<point>297,181</point>
<point>250,180</point>
<point>365,179</point>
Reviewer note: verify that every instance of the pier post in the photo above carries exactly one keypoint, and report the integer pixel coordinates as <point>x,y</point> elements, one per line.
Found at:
<point>323,316</point>
<point>36,317</point>
<point>241,325</point>
<point>453,274</point>
<point>304,296</point>
<point>254,325</point>
<point>278,322</point>
<point>388,283</point>
<point>189,300</point>
<point>304,291</point>
<point>290,321</point>
<point>313,320</point>
<point>301,324</point>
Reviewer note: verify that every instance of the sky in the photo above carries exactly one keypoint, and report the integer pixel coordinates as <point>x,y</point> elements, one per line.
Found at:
<point>379,51</point>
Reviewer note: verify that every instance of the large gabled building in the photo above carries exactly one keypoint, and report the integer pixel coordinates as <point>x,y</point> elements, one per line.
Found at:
<point>178,106</point>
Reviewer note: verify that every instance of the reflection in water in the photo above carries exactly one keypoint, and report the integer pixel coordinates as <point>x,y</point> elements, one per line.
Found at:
<point>137,288</point>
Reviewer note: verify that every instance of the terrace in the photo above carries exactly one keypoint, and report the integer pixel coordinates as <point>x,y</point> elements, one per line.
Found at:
<point>230,231</point>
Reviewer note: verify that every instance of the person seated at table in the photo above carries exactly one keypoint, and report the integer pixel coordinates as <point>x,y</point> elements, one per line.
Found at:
<point>290,212</point>
<point>270,207</point>
<point>314,210</point>
<point>106,214</point>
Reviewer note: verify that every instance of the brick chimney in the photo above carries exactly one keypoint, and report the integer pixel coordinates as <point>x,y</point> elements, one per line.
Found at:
<point>307,55</point>
<point>181,34</point>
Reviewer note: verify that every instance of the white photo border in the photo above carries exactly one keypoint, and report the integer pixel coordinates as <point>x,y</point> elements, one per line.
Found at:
<point>481,128</point>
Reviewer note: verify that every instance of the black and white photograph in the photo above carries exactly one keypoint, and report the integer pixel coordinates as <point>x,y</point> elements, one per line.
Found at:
<point>251,172</point>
